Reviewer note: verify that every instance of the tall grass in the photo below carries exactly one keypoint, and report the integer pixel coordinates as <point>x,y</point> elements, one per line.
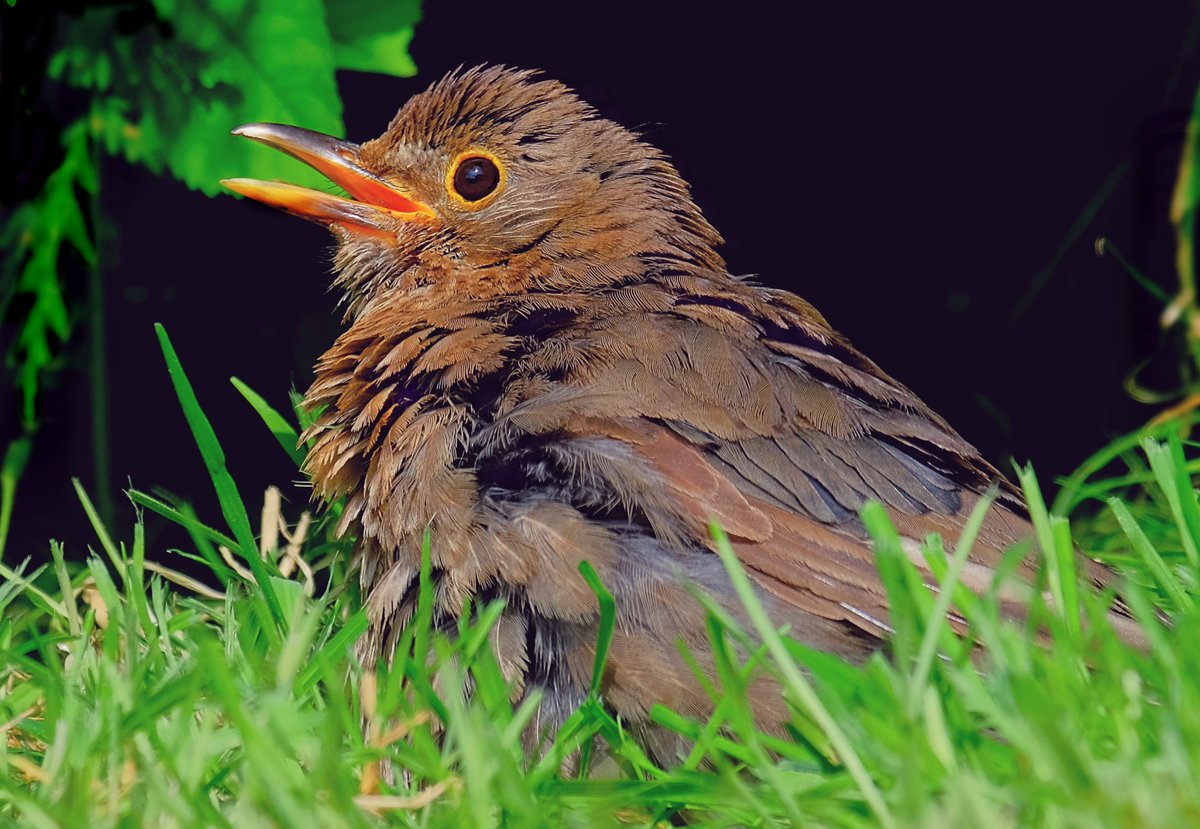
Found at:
<point>131,694</point>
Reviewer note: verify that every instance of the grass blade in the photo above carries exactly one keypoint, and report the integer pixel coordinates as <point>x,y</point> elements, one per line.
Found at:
<point>608,614</point>
<point>945,596</point>
<point>1153,562</point>
<point>287,437</point>
<point>232,506</point>
<point>15,458</point>
<point>799,686</point>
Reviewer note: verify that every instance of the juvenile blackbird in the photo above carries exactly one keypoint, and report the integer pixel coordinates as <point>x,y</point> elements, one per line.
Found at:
<point>547,361</point>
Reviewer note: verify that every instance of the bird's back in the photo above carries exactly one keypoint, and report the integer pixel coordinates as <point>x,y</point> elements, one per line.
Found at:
<point>612,425</point>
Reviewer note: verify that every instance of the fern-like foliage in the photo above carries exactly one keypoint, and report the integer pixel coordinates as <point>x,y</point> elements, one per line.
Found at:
<point>161,83</point>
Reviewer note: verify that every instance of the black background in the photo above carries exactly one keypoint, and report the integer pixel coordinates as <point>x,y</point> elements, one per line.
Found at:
<point>909,170</point>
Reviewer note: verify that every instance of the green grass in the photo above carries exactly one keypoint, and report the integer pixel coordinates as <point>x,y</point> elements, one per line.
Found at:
<point>130,695</point>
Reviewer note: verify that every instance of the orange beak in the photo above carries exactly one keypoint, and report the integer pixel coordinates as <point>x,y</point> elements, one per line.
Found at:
<point>374,205</point>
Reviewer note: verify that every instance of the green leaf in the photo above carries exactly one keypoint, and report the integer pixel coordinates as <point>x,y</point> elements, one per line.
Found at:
<point>351,20</point>
<point>34,241</point>
<point>270,60</point>
<point>369,36</point>
<point>384,53</point>
<point>170,102</point>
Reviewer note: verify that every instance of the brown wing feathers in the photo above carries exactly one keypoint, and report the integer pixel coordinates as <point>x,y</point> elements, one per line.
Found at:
<point>658,409</point>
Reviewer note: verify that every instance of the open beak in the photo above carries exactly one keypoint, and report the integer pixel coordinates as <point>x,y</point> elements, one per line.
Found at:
<point>374,205</point>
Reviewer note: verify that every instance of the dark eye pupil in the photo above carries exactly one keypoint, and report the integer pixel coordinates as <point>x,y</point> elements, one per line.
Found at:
<point>475,178</point>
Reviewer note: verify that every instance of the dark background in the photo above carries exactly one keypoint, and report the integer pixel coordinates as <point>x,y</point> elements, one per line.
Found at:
<point>916,173</point>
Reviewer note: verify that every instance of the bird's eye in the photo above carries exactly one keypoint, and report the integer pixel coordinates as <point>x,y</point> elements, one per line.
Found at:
<point>476,177</point>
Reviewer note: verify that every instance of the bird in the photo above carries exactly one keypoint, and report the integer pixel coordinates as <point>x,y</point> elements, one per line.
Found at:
<point>546,361</point>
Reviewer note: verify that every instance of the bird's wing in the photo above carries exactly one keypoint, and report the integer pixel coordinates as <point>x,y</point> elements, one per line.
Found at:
<point>745,407</point>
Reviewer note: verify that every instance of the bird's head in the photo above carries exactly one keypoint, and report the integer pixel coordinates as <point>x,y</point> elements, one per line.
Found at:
<point>492,181</point>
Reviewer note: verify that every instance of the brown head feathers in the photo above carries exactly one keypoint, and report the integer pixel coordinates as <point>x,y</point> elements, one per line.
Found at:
<point>578,193</point>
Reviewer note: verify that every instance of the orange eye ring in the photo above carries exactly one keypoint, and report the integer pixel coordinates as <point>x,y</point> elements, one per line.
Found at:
<point>475,178</point>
